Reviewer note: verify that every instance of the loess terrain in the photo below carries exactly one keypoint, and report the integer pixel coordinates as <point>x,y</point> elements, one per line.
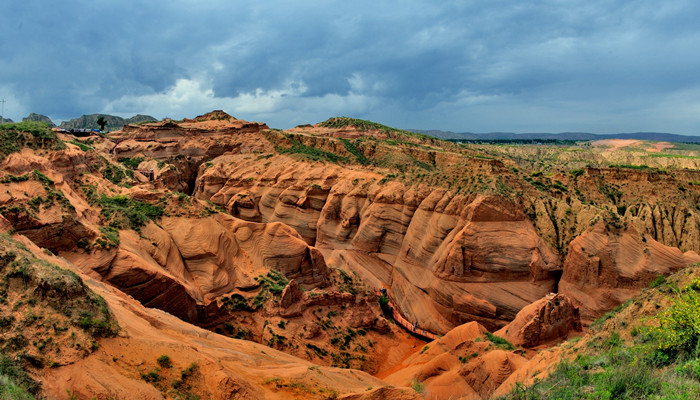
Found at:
<point>251,265</point>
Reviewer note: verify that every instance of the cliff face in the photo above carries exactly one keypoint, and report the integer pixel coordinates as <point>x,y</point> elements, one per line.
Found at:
<point>450,258</point>
<point>462,257</point>
<point>605,267</point>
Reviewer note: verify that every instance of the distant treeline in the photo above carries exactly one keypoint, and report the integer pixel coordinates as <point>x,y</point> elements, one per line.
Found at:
<point>518,141</point>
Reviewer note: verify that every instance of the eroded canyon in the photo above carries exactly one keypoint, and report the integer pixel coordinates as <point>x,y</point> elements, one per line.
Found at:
<point>254,258</point>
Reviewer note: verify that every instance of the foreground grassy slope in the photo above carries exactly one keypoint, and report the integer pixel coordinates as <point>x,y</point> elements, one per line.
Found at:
<point>48,318</point>
<point>648,348</point>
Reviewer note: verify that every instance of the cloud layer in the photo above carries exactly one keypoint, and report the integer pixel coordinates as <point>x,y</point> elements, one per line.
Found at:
<point>553,65</point>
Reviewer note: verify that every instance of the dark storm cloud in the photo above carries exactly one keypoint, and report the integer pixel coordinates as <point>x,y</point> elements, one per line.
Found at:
<point>462,65</point>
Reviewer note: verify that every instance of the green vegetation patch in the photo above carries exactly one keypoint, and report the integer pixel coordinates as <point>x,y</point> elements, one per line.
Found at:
<point>310,153</point>
<point>642,167</point>
<point>500,342</point>
<point>82,146</point>
<point>51,197</point>
<point>115,174</point>
<point>132,163</point>
<point>351,147</point>
<point>123,212</point>
<point>273,282</point>
<point>15,382</point>
<point>35,135</point>
<point>54,304</point>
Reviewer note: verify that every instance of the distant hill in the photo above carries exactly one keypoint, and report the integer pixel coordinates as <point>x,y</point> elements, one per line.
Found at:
<point>5,120</point>
<point>113,122</point>
<point>39,118</point>
<point>655,136</point>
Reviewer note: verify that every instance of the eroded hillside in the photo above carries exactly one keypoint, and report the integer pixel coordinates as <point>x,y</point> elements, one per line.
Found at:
<point>285,239</point>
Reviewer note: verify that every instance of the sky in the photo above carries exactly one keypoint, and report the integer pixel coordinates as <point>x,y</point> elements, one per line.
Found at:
<point>600,66</point>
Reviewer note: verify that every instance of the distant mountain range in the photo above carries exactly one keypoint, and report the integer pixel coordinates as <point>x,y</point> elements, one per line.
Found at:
<point>90,121</point>
<point>113,122</point>
<point>655,136</point>
<point>39,118</point>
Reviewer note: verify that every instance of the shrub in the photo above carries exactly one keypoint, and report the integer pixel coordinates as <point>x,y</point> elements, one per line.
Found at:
<point>417,385</point>
<point>384,305</point>
<point>18,376</point>
<point>690,368</point>
<point>164,361</point>
<point>151,376</point>
<point>132,163</point>
<point>679,325</point>
<point>660,280</point>
<point>577,172</point>
<point>189,371</point>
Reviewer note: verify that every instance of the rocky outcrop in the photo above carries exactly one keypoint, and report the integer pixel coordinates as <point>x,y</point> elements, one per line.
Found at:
<point>291,294</point>
<point>485,374</point>
<point>604,267</point>
<point>183,265</point>
<point>185,145</point>
<point>545,320</point>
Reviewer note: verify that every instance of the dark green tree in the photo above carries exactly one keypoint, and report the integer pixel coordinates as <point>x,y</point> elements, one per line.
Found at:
<point>101,121</point>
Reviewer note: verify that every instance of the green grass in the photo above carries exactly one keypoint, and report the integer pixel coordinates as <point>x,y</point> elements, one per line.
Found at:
<point>15,382</point>
<point>660,280</point>
<point>666,155</point>
<point>82,146</point>
<point>9,390</point>
<point>500,342</point>
<point>308,152</point>
<point>417,385</point>
<point>351,147</point>
<point>600,321</point>
<point>35,135</point>
<point>123,212</point>
<point>48,292</point>
<point>132,163</point>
